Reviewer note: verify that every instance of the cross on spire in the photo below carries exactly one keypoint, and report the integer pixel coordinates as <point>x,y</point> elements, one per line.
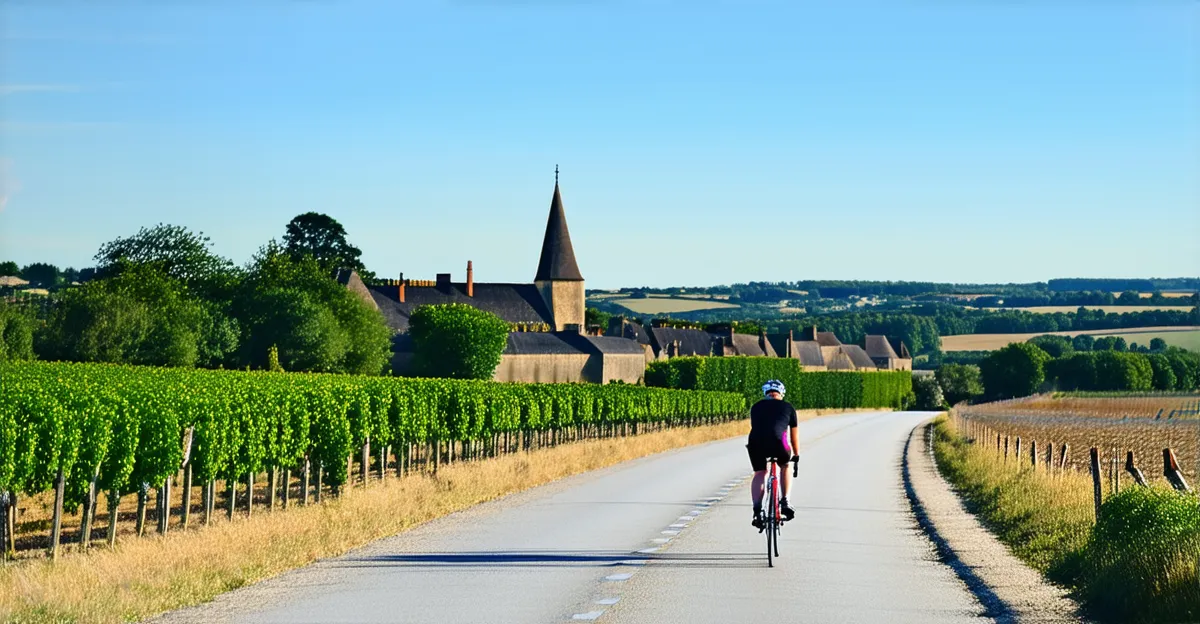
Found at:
<point>556,174</point>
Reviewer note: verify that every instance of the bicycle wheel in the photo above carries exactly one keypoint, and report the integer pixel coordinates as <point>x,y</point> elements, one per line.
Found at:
<point>771,521</point>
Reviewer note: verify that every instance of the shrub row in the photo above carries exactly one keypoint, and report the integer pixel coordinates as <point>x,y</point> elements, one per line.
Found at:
<point>805,390</point>
<point>123,426</point>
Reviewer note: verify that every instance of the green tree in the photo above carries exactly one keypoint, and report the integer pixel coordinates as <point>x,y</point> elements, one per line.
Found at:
<point>8,267</point>
<point>141,316</point>
<point>1158,345</point>
<point>315,323</point>
<point>457,341</point>
<point>959,382</point>
<point>1116,371</point>
<point>174,250</point>
<point>322,237</point>
<point>928,394</point>
<point>1110,343</point>
<point>592,316</point>
<point>1186,366</point>
<point>1054,346</point>
<point>1083,342</point>
<point>1163,374</point>
<point>16,333</point>
<point>41,273</point>
<point>1014,371</point>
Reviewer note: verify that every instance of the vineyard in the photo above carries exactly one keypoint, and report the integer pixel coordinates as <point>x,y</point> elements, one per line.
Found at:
<point>79,430</point>
<point>1061,430</point>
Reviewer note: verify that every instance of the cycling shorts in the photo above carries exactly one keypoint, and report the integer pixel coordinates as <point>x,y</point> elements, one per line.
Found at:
<point>760,450</point>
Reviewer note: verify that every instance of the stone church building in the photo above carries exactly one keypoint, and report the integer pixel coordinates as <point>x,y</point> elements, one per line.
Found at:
<point>549,343</point>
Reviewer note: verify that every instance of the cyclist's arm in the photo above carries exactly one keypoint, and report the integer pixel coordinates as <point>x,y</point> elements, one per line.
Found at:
<point>794,424</point>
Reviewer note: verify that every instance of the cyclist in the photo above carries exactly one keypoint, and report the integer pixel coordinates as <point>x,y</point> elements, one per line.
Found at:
<point>774,432</point>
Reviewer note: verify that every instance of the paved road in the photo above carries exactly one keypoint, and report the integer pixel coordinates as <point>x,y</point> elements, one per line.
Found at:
<point>583,548</point>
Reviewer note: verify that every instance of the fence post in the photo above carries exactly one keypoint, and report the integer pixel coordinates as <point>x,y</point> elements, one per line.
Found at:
<point>997,443</point>
<point>1033,454</point>
<point>1096,495</point>
<point>56,523</point>
<point>1171,471</point>
<point>1006,449</point>
<point>1138,477</point>
<point>1062,463</point>
<point>1017,453</point>
<point>1116,464</point>
<point>3,526</point>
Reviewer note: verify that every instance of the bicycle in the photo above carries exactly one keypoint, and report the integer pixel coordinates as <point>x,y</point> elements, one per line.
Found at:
<point>771,519</point>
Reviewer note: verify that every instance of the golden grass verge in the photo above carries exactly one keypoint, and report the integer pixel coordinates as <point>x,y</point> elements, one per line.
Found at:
<point>144,577</point>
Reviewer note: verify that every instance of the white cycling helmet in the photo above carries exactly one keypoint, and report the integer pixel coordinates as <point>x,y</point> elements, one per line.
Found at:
<point>774,385</point>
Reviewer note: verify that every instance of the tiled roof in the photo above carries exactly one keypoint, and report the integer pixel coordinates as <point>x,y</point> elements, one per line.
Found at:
<point>691,341</point>
<point>808,352</point>
<point>541,343</point>
<point>515,303</point>
<point>746,344</point>
<point>558,256</point>
<point>827,339</point>
<point>879,347</point>
<point>614,345</point>
<point>858,356</point>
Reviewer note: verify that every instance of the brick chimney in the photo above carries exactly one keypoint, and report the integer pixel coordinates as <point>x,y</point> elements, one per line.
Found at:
<point>470,280</point>
<point>400,289</point>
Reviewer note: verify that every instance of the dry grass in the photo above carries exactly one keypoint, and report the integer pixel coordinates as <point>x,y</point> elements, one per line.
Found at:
<point>144,577</point>
<point>1139,564</point>
<point>667,305</point>
<point>1181,336</point>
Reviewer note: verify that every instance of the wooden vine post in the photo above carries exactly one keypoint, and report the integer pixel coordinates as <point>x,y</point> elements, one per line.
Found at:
<point>56,523</point>
<point>186,512</point>
<point>1096,493</point>
<point>1133,470</point>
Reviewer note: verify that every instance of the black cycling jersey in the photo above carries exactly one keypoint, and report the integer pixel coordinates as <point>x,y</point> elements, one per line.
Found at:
<point>770,420</point>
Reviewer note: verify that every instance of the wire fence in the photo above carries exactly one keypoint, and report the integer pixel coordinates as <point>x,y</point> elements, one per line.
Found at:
<point>1148,433</point>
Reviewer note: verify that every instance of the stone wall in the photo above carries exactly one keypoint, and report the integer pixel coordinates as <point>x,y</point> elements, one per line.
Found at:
<point>547,368</point>
<point>627,367</point>
<point>565,300</point>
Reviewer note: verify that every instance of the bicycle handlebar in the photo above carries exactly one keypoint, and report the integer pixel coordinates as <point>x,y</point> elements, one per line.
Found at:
<point>796,466</point>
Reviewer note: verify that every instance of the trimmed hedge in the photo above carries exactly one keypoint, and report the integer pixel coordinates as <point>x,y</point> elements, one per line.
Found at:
<point>806,390</point>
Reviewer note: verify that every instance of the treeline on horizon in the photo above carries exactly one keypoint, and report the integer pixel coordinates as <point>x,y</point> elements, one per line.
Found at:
<point>835,289</point>
<point>921,327</point>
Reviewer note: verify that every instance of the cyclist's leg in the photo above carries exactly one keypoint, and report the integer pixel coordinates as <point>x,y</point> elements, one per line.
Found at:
<point>785,490</point>
<point>758,462</point>
<point>756,488</point>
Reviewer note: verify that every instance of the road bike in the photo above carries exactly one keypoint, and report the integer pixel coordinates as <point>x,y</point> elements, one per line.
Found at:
<point>772,519</point>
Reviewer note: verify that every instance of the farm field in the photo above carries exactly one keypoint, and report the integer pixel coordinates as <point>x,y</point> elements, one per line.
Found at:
<point>1187,337</point>
<point>1144,424</point>
<point>667,305</point>
<point>1169,295</point>
<point>1108,309</point>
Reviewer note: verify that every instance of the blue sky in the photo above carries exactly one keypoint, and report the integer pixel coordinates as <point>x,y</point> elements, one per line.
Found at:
<point>700,143</point>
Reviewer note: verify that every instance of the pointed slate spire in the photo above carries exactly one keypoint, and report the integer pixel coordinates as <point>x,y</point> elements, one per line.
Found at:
<point>558,257</point>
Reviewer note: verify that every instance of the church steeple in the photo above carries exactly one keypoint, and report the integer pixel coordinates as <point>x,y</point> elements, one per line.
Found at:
<point>558,278</point>
<point>558,256</point>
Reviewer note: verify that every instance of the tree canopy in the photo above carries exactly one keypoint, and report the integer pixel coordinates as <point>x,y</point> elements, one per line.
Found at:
<point>324,239</point>
<point>315,323</point>
<point>458,341</point>
<point>175,250</point>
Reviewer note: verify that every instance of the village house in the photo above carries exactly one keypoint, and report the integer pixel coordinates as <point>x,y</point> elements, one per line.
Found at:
<point>548,343</point>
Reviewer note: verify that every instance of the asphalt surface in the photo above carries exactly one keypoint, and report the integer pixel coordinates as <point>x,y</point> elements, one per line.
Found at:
<point>661,539</point>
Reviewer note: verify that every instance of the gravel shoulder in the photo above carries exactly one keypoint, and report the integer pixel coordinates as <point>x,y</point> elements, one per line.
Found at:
<point>1010,590</point>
